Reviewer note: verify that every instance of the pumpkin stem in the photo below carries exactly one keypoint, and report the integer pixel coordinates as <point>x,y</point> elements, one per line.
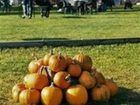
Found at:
<point>34,56</point>
<point>41,70</point>
<point>52,84</point>
<point>51,51</point>
<point>51,74</point>
<point>98,85</point>
<point>60,55</point>
<point>74,62</point>
<point>93,71</point>
<point>67,78</point>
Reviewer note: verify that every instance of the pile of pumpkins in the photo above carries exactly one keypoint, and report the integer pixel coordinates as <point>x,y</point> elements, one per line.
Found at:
<point>56,79</point>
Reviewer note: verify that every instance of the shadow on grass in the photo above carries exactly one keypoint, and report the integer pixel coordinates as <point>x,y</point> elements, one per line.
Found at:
<point>74,17</point>
<point>87,42</point>
<point>124,97</point>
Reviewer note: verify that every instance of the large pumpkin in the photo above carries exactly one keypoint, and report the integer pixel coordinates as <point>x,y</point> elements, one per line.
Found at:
<point>74,69</point>
<point>16,91</point>
<point>57,63</point>
<point>87,80</point>
<point>35,65</point>
<point>100,93</point>
<point>47,57</point>
<point>36,81</point>
<point>112,87</point>
<point>61,79</point>
<point>51,95</point>
<point>77,95</point>
<point>84,60</point>
<point>29,96</point>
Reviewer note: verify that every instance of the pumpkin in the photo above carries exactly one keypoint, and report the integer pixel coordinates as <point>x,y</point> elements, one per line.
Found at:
<point>74,69</point>
<point>35,65</point>
<point>29,96</point>
<point>16,91</point>
<point>47,57</point>
<point>84,60</point>
<point>112,87</point>
<point>61,79</point>
<point>77,95</point>
<point>100,93</point>
<point>99,78</point>
<point>36,81</point>
<point>57,63</point>
<point>51,95</point>
<point>68,60</point>
<point>87,80</point>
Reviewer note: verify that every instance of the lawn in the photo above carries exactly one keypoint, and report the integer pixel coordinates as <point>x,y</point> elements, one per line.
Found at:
<point>118,61</point>
<point>116,24</point>
<point>122,62</point>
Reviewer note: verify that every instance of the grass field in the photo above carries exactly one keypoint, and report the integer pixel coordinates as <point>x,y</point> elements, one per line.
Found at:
<point>118,61</point>
<point>122,62</point>
<point>115,24</point>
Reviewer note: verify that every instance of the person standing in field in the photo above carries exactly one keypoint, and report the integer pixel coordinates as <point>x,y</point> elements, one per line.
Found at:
<point>27,6</point>
<point>128,4</point>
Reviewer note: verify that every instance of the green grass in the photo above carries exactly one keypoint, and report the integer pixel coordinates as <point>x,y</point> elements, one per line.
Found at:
<point>118,61</point>
<point>115,24</point>
<point>122,62</point>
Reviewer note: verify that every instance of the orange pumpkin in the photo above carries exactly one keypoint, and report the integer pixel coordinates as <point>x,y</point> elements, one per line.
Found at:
<point>112,87</point>
<point>36,81</point>
<point>74,69</point>
<point>87,80</point>
<point>29,96</point>
<point>35,65</point>
<point>57,63</point>
<point>100,93</point>
<point>84,60</point>
<point>47,57</point>
<point>99,78</point>
<point>77,95</point>
<point>16,91</point>
<point>51,95</point>
<point>61,79</point>
<point>68,60</point>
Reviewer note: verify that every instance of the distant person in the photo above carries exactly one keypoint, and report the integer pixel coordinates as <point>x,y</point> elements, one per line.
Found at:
<point>1,4</point>
<point>128,4</point>
<point>27,6</point>
<point>6,6</point>
<point>45,6</point>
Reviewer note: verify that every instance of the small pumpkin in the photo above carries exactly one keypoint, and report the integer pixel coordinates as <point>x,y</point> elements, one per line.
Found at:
<point>87,80</point>
<point>16,91</point>
<point>112,87</point>
<point>84,60</point>
<point>77,95</point>
<point>100,93</point>
<point>61,79</point>
<point>99,78</point>
<point>47,57</point>
<point>35,65</point>
<point>57,63</point>
<point>68,60</point>
<point>36,81</point>
<point>51,95</point>
<point>29,96</point>
<point>74,69</point>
